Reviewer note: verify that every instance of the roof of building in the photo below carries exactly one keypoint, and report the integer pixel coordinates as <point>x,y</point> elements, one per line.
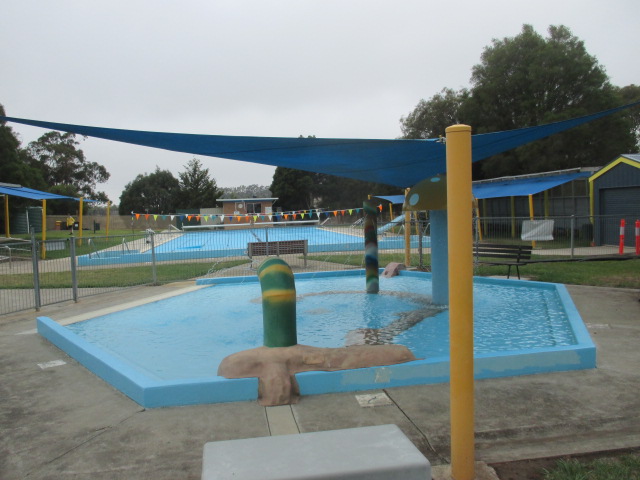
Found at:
<point>272,199</point>
<point>525,185</point>
<point>24,192</point>
<point>632,159</point>
<point>516,186</point>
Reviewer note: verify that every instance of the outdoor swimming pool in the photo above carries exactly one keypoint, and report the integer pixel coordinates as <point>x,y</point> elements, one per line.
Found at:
<point>175,345</point>
<point>233,242</point>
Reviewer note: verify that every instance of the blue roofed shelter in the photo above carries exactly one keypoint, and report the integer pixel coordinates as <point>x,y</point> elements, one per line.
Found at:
<point>557,193</point>
<point>8,189</point>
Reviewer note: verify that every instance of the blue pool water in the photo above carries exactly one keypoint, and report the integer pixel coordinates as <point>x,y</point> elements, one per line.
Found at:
<point>167,352</point>
<point>215,244</point>
<point>238,238</point>
<point>187,336</point>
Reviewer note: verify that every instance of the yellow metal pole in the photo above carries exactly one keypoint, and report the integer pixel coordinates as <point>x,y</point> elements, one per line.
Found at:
<point>390,211</point>
<point>7,231</point>
<point>460,241</point>
<point>407,235</point>
<point>533,242</point>
<point>43,248</point>
<point>108,216</point>
<point>80,220</point>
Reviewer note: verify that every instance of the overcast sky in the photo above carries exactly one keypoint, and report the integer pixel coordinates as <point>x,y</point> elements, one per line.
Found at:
<point>330,68</point>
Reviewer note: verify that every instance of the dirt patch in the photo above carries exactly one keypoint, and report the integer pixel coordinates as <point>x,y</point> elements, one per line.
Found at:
<point>534,469</point>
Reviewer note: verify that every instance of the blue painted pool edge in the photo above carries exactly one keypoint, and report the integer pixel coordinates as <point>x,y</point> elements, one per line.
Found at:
<point>151,393</point>
<point>142,389</point>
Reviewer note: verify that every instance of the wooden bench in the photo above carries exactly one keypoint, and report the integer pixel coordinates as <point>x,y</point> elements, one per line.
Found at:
<point>497,254</point>
<point>278,247</point>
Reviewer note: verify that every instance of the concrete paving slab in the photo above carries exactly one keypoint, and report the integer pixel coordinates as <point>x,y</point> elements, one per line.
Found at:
<point>64,423</point>
<point>334,411</point>
<point>281,420</point>
<point>160,444</point>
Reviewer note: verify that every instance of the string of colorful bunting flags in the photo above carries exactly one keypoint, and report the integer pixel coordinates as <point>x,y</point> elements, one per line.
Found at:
<point>248,217</point>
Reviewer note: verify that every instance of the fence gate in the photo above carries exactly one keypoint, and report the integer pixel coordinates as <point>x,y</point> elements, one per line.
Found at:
<point>27,281</point>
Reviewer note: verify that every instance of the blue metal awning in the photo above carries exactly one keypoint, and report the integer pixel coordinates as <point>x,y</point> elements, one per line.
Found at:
<point>395,199</point>
<point>24,192</point>
<point>519,187</point>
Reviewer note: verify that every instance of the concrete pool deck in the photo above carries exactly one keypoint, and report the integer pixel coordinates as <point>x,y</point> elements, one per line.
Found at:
<point>60,421</point>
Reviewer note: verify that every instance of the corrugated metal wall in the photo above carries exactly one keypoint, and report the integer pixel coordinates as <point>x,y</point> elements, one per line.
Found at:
<point>617,193</point>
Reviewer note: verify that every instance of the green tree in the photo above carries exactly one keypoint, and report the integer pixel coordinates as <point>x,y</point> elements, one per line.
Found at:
<point>150,193</point>
<point>430,118</point>
<point>14,164</point>
<point>295,189</point>
<point>197,188</point>
<point>630,94</point>
<point>247,191</point>
<point>300,190</point>
<point>529,80</point>
<point>338,192</point>
<point>62,163</point>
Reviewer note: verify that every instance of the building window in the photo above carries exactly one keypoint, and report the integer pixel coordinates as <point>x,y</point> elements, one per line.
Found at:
<point>254,208</point>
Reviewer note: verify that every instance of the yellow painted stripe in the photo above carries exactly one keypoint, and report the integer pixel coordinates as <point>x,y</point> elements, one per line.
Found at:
<point>280,295</point>
<point>278,267</point>
<point>613,164</point>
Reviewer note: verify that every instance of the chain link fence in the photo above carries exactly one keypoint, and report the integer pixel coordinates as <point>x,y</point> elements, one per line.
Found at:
<point>34,273</point>
<point>560,237</point>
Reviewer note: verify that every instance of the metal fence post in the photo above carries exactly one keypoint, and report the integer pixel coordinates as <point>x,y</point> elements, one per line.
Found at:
<point>419,222</point>
<point>36,275</point>
<point>154,272</point>
<point>573,227</point>
<point>74,276</point>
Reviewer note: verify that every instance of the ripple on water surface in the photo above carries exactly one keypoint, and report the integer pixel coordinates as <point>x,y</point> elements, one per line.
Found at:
<point>187,336</point>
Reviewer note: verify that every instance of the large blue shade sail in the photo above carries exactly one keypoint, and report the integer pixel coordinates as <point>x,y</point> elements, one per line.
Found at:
<point>523,186</point>
<point>401,163</point>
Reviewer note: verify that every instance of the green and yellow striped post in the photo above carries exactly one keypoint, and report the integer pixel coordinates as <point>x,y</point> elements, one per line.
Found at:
<point>278,303</point>
<point>371,247</point>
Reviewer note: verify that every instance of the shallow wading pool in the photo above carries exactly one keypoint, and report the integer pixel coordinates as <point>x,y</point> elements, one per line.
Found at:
<point>167,352</point>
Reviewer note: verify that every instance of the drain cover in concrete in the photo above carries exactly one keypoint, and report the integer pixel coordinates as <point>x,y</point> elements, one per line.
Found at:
<point>374,400</point>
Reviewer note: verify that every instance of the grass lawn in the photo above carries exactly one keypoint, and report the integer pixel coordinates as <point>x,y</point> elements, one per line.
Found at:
<point>618,274</point>
<point>118,277</point>
<point>626,467</point>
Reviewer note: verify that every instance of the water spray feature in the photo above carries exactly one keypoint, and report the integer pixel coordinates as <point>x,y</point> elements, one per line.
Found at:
<point>276,363</point>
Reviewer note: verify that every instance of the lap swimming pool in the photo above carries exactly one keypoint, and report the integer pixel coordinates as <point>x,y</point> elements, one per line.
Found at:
<point>233,242</point>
